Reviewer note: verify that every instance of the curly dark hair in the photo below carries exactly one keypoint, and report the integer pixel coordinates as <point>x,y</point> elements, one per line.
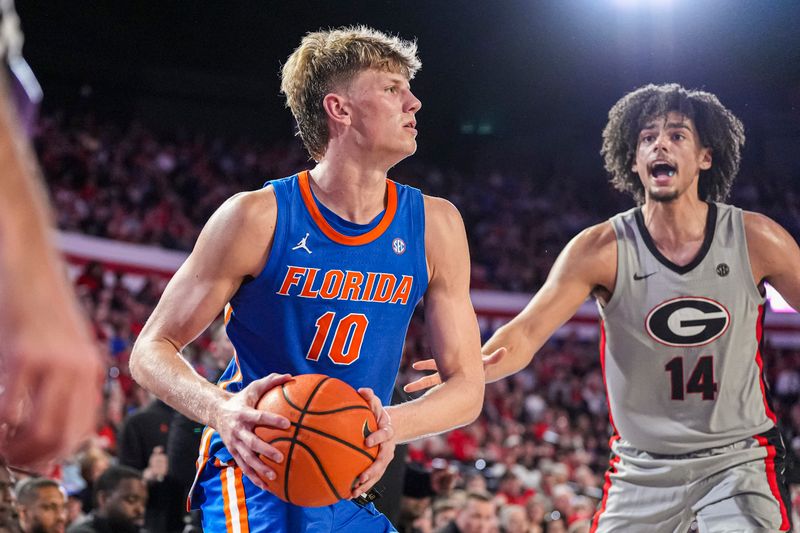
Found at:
<point>717,128</point>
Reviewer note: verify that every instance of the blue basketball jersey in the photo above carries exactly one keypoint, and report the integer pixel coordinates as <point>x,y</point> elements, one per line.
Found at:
<point>334,297</point>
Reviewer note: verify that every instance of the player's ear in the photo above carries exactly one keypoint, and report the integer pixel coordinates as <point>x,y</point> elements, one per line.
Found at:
<point>335,106</point>
<point>705,159</point>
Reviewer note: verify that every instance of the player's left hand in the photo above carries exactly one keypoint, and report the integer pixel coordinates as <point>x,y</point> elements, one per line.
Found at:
<point>382,437</point>
<point>431,380</point>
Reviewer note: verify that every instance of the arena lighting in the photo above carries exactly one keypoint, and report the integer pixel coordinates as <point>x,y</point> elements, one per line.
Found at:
<point>643,3</point>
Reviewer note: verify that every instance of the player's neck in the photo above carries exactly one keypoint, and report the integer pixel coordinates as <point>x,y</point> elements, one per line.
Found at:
<point>349,188</point>
<point>676,224</point>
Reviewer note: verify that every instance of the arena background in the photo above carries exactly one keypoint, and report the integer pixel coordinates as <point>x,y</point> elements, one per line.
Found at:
<point>156,112</point>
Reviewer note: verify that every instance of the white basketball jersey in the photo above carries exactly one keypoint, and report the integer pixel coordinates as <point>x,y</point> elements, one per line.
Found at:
<point>680,344</point>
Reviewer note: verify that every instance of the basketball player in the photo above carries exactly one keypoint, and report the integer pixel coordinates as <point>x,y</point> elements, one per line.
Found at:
<point>322,271</point>
<point>679,282</point>
<point>45,345</point>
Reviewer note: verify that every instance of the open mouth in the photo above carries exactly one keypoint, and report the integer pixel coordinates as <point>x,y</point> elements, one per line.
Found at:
<point>662,170</point>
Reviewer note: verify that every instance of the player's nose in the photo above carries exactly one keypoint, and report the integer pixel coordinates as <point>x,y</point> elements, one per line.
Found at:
<point>414,104</point>
<point>662,141</point>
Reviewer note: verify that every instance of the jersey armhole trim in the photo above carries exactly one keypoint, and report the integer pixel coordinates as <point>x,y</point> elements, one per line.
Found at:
<point>279,236</point>
<point>744,253</point>
<point>619,283</point>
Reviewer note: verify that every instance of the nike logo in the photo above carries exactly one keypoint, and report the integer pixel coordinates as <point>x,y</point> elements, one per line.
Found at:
<point>637,277</point>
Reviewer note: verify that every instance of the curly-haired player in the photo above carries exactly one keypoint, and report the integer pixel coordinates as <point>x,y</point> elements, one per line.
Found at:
<point>679,282</point>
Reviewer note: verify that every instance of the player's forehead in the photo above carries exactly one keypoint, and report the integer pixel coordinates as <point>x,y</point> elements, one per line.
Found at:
<point>382,76</point>
<point>668,120</point>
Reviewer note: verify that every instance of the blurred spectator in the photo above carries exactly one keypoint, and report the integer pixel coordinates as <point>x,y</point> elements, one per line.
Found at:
<point>512,491</point>
<point>142,446</point>
<point>444,512</point>
<point>416,500</point>
<point>9,517</point>
<point>92,462</point>
<point>42,505</point>
<point>121,496</point>
<point>513,519</point>
<point>477,515</point>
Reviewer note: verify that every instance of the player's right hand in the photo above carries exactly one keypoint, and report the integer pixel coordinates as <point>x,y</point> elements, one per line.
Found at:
<point>236,424</point>
<point>431,380</point>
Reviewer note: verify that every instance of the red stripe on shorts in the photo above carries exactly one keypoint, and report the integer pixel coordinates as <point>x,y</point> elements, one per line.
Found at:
<point>772,479</point>
<point>612,468</point>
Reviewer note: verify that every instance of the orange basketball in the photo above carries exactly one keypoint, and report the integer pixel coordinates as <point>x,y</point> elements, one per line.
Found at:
<point>323,449</point>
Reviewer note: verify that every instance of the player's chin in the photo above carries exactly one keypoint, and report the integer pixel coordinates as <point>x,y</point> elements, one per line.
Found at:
<point>663,196</point>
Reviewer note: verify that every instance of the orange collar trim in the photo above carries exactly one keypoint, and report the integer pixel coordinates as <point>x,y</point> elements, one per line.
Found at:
<point>335,236</point>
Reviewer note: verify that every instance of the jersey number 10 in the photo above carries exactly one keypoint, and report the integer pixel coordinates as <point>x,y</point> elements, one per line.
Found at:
<point>348,336</point>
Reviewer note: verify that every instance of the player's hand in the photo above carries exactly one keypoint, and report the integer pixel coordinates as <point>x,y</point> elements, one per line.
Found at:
<point>431,380</point>
<point>157,465</point>
<point>236,424</point>
<point>51,377</point>
<point>382,437</point>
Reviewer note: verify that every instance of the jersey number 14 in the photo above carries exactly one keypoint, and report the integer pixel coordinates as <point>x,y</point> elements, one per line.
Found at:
<point>701,380</point>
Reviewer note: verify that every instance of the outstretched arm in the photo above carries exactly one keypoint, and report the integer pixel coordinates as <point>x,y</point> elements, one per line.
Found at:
<point>588,263</point>
<point>235,243</point>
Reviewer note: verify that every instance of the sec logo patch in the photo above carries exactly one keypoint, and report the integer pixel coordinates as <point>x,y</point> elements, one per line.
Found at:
<point>398,246</point>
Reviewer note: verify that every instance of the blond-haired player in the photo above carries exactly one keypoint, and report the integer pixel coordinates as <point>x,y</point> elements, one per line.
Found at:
<point>322,271</point>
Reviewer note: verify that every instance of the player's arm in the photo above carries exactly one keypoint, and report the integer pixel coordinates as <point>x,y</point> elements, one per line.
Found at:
<point>774,256</point>
<point>588,263</point>
<point>234,244</point>
<point>452,329</point>
<point>50,371</point>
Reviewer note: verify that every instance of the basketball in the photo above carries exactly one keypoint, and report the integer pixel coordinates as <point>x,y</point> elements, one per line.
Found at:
<point>323,449</point>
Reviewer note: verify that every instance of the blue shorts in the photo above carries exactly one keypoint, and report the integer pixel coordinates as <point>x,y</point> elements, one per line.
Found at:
<point>231,503</point>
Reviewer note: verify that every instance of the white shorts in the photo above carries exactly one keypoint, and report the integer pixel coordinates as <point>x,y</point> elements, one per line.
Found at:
<point>740,487</point>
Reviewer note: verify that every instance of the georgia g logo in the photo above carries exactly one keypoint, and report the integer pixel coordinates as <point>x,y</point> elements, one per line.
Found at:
<point>687,321</point>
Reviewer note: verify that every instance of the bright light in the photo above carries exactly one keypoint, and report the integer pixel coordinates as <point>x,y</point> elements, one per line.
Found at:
<point>627,4</point>
<point>776,301</point>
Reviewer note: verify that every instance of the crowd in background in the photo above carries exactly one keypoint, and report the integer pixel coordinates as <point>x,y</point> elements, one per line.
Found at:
<point>535,459</point>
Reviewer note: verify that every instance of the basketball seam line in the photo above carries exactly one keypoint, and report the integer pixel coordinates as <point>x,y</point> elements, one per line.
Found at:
<point>332,437</point>
<point>295,406</point>
<point>297,430</point>
<point>316,460</point>
<point>339,410</point>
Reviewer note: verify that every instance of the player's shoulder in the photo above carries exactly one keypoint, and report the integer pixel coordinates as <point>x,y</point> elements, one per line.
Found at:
<point>441,213</point>
<point>599,238</point>
<point>761,230</point>
<point>250,209</point>
<point>439,207</point>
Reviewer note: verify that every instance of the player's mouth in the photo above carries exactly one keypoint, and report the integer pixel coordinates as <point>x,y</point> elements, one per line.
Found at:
<point>411,126</point>
<point>662,172</point>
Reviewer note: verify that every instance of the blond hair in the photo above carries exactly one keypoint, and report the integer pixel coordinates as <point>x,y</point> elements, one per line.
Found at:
<point>327,59</point>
